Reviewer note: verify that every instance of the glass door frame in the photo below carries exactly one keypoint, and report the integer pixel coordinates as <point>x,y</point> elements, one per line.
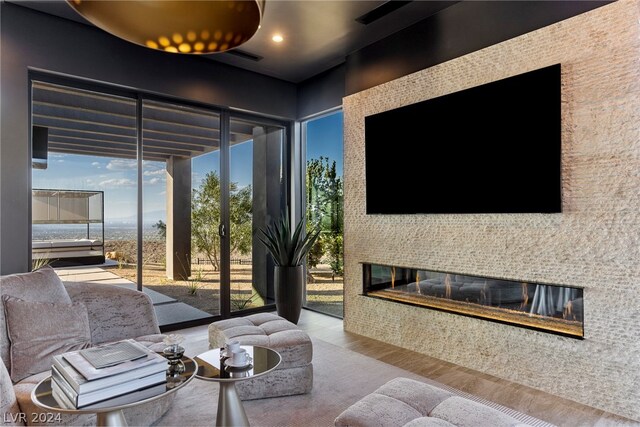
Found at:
<point>225,114</point>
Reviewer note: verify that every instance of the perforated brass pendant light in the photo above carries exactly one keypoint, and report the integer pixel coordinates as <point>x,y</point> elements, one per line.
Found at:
<point>200,26</point>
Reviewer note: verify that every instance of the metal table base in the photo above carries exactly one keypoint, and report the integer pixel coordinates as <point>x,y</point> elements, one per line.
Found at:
<point>230,409</point>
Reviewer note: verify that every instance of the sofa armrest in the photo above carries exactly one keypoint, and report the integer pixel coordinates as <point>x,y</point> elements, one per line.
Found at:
<point>8,403</point>
<point>115,312</point>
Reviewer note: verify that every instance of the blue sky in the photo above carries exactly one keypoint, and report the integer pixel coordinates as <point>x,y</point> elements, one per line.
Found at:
<point>324,138</point>
<point>118,178</point>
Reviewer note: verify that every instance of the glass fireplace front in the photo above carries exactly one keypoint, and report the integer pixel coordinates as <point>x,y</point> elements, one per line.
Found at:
<point>550,308</point>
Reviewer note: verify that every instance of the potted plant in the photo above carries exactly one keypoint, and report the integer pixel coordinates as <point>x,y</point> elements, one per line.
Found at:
<point>288,251</point>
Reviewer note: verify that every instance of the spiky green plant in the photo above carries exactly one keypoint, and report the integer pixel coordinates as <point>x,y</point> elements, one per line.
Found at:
<point>38,263</point>
<point>286,248</point>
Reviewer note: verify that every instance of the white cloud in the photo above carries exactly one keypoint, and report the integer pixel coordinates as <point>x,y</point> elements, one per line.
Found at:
<point>121,164</point>
<point>60,161</point>
<point>96,164</point>
<point>156,172</point>
<point>117,182</point>
<point>155,180</point>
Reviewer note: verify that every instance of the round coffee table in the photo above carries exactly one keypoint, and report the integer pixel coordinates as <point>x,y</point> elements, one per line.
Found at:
<point>211,368</point>
<point>107,414</point>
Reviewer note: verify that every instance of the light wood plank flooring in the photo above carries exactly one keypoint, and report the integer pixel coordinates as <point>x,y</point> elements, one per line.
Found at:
<point>539,404</point>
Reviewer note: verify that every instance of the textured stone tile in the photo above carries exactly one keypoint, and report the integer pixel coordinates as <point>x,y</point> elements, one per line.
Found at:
<point>594,243</point>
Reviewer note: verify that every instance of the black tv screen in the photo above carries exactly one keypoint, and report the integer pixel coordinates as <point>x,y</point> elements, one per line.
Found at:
<point>493,148</point>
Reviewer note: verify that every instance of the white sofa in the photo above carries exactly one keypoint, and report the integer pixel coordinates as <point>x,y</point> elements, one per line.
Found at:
<point>409,403</point>
<point>114,313</point>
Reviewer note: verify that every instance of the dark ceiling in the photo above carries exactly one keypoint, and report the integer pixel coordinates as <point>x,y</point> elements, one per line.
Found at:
<point>318,34</point>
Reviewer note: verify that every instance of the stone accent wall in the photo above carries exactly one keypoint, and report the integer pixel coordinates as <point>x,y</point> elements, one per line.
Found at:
<point>594,243</point>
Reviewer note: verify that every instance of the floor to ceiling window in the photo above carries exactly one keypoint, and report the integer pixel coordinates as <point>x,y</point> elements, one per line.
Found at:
<point>164,194</point>
<point>323,183</point>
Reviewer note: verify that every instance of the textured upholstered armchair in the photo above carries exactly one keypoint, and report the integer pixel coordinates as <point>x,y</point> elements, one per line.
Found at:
<point>113,313</point>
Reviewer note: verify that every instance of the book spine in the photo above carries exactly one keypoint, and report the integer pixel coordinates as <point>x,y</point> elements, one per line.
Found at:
<point>84,399</point>
<point>62,370</point>
<point>82,386</point>
<point>60,397</point>
<point>63,388</point>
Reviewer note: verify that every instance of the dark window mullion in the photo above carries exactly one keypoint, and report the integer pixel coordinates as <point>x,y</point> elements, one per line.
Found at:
<point>225,242</point>
<point>139,191</point>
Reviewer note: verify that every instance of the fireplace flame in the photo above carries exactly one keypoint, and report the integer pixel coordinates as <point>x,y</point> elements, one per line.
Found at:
<point>567,313</point>
<point>447,286</point>
<point>525,295</point>
<point>393,277</point>
<point>418,281</point>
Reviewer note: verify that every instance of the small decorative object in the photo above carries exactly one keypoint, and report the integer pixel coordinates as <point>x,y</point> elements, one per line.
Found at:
<point>173,353</point>
<point>288,251</point>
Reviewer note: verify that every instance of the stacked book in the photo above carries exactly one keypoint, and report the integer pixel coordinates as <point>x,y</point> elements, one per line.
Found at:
<point>112,375</point>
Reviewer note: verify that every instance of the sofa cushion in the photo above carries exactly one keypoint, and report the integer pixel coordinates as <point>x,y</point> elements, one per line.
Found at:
<point>377,410</point>
<point>407,390</point>
<point>428,422</point>
<point>42,285</point>
<point>463,412</point>
<point>394,403</point>
<point>409,403</point>
<point>115,312</point>
<point>40,330</point>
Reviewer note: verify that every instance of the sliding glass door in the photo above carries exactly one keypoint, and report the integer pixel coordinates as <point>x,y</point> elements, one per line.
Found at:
<point>181,204</point>
<point>184,189</point>
<point>255,197</point>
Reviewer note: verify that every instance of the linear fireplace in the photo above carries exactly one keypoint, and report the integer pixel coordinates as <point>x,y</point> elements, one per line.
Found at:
<point>550,308</point>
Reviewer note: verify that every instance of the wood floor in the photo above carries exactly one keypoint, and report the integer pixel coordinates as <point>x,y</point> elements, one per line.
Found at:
<point>556,410</point>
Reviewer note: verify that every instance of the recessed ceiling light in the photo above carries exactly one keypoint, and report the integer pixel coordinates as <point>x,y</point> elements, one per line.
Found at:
<point>277,38</point>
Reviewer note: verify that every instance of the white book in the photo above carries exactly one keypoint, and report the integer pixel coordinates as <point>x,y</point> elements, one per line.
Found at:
<point>81,385</point>
<point>134,396</point>
<point>82,365</point>
<point>79,400</point>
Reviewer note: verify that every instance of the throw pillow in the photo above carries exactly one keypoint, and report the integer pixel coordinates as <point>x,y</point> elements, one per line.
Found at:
<point>42,285</point>
<point>40,330</point>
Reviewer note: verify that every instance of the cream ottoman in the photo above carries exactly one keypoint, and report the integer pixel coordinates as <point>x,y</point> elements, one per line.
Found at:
<point>409,403</point>
<point>295,373</point>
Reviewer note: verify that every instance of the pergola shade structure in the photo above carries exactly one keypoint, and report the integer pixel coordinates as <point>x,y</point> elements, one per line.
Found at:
<point>67,207</point>
<point>50,207</point>
<point>85,122</point>
<point>98,124</point>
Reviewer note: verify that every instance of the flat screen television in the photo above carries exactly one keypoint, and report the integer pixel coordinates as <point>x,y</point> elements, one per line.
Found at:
<point>493,148</point>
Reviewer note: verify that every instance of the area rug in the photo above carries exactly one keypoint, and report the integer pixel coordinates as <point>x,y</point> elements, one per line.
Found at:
<point>341,378</point>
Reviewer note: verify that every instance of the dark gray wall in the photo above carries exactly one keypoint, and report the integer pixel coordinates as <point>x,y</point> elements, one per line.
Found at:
<point>321,92</point>
<point>31,39</point>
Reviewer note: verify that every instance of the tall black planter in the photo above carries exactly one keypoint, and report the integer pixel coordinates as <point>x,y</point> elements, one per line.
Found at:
<point>288,283</point>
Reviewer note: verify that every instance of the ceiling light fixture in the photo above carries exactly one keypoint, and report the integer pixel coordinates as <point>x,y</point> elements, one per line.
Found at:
<point>277,38</point>
<point>179,26</point>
